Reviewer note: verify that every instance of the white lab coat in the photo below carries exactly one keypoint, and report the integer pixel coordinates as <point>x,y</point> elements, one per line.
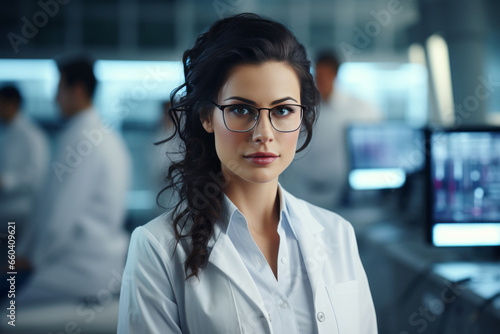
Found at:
<point>24,160</point>
<point>78,244</point>
<point>319,173</point>
<point>156,299</point>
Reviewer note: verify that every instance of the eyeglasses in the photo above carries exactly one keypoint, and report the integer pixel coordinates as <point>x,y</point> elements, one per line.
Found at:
<point>243,117</point>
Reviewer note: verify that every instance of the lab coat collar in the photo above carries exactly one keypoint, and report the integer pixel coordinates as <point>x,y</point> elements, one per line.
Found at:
<point>299,215</point>
<point>338,96</point>
<point>297,212</point>
<point>307,229</point>
<point>229,209</point>
<point>18,119</point>
<point>83,116</point>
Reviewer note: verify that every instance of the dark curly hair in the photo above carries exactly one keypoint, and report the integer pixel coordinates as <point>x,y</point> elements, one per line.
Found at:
<point>197,176</point>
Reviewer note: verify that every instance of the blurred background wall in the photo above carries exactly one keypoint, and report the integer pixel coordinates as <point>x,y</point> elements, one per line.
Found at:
<point>359,30</point>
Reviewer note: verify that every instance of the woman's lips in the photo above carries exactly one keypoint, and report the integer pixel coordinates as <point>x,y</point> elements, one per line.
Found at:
<point>262,158</point>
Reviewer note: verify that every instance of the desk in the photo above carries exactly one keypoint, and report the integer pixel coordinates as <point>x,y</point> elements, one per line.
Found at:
<point>422,289</point>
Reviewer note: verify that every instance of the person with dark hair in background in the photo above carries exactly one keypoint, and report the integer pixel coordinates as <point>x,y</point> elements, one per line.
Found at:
<point>24,160</point>
<point>322,171</point>
<point>77,245</point>
<point>24,153</point>
<point>238,253</point>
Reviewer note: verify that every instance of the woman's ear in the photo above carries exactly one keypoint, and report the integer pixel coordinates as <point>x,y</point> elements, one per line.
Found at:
<point>207,124</point>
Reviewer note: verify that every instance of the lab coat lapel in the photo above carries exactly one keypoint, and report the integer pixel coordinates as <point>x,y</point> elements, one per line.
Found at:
<point>309,234</point>
<point>225,257</point>
<point>308,230</point>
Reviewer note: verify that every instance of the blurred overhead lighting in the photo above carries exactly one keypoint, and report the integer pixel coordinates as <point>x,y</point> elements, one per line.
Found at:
<point>416,54</point>
<point>439,62</point>
<point>116,70</point>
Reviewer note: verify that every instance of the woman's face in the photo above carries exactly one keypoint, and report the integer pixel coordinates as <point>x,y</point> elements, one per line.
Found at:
<point>264,86</point>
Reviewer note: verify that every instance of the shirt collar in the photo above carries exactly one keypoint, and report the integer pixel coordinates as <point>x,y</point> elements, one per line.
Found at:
<point>83,116</point>
<point>230,211</point>
<point>19,118</point>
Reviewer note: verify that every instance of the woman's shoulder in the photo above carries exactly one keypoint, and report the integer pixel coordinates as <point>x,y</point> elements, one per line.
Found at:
<point>153,258</point>
<point>157,235</point>
<point>161,227</point>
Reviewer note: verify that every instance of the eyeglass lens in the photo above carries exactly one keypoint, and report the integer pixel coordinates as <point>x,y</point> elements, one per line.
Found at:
<point>243,117</point>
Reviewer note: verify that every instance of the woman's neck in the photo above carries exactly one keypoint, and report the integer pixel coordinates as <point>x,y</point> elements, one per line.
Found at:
<point>258,202</point>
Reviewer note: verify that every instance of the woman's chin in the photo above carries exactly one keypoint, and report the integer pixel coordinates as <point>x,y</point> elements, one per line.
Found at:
<point>261,177</point>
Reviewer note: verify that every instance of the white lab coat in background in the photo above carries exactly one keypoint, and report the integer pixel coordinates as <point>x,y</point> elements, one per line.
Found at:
<point>24,159</point>
<point>156,299</point>
<point>319,173</point>
<point>78,244</point>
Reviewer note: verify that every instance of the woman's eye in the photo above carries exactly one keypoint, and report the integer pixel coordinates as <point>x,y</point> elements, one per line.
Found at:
<point>284,110</point>
<point>240,110</point>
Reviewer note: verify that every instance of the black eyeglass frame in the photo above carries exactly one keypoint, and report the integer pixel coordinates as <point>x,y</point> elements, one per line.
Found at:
<point>221,107</point>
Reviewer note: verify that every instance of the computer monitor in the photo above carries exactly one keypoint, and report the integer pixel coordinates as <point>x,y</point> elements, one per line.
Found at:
<point>463,187</point>
<point>382,154</point>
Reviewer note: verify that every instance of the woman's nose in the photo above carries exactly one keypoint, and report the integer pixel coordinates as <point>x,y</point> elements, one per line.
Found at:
<point>263,131</point>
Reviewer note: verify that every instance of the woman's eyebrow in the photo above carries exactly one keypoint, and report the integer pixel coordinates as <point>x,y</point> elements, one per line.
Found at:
<point>242,99</point>
<point>283,100</point>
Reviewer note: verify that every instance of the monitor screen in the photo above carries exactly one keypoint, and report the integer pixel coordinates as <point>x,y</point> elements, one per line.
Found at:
<point>463,178</point>
<point>382,154</point>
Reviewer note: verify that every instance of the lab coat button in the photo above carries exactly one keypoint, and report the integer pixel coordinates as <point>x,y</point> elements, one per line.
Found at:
<point>284,260</point>
<point>321,316</point>
<point>283,304</point>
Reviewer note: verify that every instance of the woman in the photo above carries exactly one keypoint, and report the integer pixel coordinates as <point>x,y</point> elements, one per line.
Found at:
<point>239,254</point>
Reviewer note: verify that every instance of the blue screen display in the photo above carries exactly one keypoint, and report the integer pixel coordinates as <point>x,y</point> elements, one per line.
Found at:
<point>465,185</point>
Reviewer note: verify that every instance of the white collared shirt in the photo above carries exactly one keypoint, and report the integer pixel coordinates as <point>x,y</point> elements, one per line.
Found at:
<point>289,299</point>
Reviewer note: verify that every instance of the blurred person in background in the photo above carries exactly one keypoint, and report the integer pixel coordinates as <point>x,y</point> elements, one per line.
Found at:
<point>77,245</point>
<point>24,159</point>
<point>320,175</point>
